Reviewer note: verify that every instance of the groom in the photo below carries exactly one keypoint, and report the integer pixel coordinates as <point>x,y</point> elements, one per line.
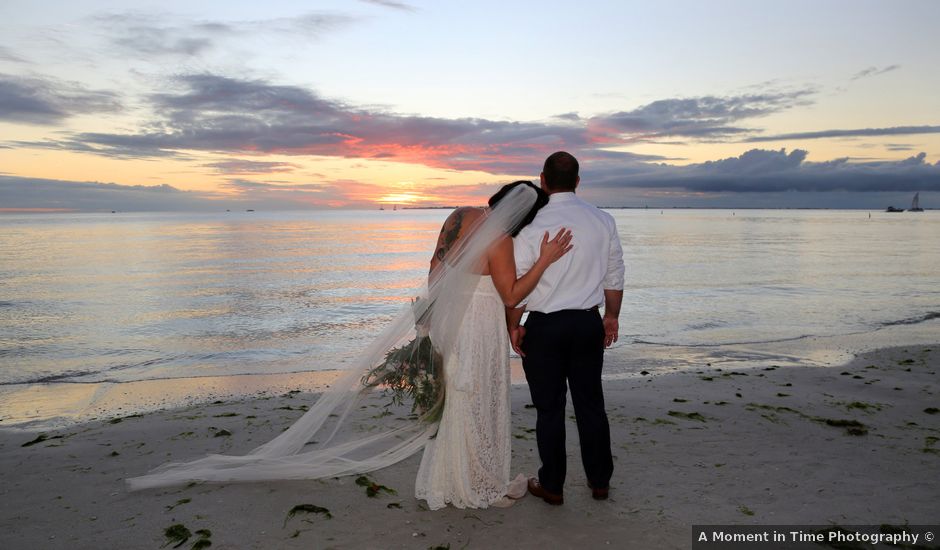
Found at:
<point>563,340</point>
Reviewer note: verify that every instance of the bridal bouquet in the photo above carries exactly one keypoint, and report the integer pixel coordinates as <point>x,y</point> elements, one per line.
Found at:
<point>414,372</point>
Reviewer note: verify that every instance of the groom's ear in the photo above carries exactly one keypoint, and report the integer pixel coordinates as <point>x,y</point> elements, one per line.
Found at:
<point>542,182</point>
<point>577,181</point>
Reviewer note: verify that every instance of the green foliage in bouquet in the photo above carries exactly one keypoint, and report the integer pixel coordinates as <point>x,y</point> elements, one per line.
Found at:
<point>413,372</point>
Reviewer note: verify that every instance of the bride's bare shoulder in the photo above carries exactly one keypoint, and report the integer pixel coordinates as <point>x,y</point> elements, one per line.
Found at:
<point>461,217</point>
<point>454,226</point>
<point>466,213</point>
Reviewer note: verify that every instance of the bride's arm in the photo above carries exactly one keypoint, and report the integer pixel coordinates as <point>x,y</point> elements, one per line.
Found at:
<point>503,266</point>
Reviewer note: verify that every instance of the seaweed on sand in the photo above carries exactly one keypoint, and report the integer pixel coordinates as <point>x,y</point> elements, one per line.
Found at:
<point>687,416</point>
<point>852,427</point>
<point>177,533</point>
<point>373,488</point>
<point>179,503</point>
<point>308,509</point>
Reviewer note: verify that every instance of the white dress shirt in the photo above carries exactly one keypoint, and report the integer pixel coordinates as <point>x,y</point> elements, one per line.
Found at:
<point>579,278</point>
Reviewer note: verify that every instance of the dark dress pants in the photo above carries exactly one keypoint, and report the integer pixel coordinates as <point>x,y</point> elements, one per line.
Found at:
<point>565,349</point>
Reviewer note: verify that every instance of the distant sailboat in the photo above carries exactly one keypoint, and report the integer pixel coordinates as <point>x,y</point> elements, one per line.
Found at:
<point>915,204</point>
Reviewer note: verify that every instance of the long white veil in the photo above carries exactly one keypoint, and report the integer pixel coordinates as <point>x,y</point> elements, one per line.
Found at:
<point>402,365</point>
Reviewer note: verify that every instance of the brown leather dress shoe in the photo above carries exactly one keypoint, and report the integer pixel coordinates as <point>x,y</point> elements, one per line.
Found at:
<point>537,490</point>
<point>599,493</point>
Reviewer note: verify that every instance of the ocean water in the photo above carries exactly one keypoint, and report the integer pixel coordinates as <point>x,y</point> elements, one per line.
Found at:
<point>118,298</point>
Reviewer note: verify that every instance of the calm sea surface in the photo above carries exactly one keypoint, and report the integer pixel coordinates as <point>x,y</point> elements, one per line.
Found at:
<point>125,297</point>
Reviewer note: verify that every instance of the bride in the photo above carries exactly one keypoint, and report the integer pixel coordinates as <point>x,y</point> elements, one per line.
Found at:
<point>459,385</point>
<point>467,464</point>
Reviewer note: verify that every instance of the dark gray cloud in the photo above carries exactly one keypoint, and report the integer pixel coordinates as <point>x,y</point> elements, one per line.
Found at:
<point>153,41</point>
<point>29,193</point>
<point>151,35</point>
<point>35,100</point>
<point>6,54</point>
<point>214,113</point>
<point>700,118</point>
<point>22,193</point>
<point>874,71</point>
<point>118,150</point>
<point>768,171</point>
<point>241,166</point>
<point>756,178</point>
<point>390,4</point>
<point>857,132</point>
<point>208,112</point>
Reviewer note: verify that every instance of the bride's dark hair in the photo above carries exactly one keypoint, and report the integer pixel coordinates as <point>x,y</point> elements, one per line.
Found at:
<point>540,201</point>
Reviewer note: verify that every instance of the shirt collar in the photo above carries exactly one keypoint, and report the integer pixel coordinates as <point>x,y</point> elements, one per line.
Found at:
<point>562,196</point>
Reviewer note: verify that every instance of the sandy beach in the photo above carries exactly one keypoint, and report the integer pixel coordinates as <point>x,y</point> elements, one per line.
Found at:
<point>786,445</point>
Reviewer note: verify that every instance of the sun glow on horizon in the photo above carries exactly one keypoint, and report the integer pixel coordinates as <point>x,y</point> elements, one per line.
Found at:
<point>403,197</point>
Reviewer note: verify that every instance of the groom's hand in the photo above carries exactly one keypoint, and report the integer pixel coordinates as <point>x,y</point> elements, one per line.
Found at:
<point>611,328</point>
<point>516,335</point>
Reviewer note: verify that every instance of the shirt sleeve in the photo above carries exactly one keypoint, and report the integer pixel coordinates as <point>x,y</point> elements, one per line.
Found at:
<point>523,253</point>
<point>525,256</point>
<point>614,278</point>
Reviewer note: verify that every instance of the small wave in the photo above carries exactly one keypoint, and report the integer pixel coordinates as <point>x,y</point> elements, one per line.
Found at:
<point>913,320</point>
<point>903,322</point>
<point>65,380</point>
<point>707,325</point>
<point>75,375</point>
<point>107,373</point>
<point>720,344</point>
<point>58,377</point>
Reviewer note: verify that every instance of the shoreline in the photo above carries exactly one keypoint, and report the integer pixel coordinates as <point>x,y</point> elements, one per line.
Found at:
<point>787,445</point>
<point>58,405</point>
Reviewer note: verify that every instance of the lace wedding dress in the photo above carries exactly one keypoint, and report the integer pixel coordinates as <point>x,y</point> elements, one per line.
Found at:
<point>467,464</point>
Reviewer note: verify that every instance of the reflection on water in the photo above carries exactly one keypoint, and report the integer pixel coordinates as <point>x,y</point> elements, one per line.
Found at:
<point>128,297</point>
<point>125,297</point>
<point>710,277</point>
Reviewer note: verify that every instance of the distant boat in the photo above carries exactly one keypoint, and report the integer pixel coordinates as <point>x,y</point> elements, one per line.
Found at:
<point>381,208</point>
<point>249,210</point>
<point>893,209</point>
<point>915,204</point>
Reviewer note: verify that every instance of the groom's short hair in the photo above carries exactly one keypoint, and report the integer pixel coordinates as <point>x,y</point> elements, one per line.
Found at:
<point>561,171</point>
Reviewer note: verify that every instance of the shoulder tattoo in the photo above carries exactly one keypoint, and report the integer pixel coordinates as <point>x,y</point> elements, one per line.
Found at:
<point>449,233</point>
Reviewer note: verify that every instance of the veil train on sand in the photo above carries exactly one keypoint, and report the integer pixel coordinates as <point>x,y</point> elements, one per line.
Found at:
<point>404,364</point>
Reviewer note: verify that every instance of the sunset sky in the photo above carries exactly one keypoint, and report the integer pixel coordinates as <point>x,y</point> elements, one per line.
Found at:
<point>209,105</point>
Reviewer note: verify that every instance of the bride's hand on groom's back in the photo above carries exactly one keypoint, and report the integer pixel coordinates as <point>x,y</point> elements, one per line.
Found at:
<point>551,250</point>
